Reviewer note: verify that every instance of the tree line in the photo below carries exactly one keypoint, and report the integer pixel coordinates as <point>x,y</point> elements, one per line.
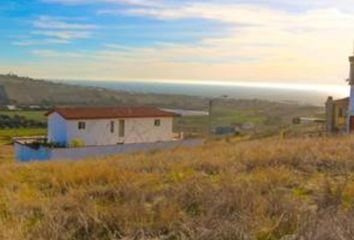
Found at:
<point>18,121</point>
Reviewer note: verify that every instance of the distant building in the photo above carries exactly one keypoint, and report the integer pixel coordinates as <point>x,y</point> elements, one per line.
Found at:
<point>78,133</point>
<point>34,107</point>
<point>337,115</point>
<point>11,107</point>
<point>340,112</point>
<point>109,126</point>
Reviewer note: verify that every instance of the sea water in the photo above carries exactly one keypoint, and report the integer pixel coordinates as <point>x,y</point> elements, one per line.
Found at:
<point>282,93</point>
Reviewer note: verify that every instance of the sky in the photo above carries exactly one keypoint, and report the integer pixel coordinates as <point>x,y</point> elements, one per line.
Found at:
<point>248,41</point>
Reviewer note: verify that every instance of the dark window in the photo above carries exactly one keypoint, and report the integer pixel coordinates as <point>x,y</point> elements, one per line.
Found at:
<point>121,128</point>
<point>112,126</point>
<point>341,112</point>
<point>157,123</point>
<point>81,125</point>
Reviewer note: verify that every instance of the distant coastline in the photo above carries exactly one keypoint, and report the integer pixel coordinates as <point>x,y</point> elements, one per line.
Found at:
<point>280,94</point>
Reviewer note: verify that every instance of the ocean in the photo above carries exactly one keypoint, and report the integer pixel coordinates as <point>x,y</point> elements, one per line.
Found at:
<point>301,94</point>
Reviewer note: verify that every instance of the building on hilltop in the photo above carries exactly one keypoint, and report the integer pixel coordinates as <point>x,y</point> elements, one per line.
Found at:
<point>340,112</point>
<point>79,133</point>
<point>109,126</point>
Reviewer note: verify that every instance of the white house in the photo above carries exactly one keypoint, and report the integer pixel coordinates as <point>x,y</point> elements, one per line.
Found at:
<point>109,126</point>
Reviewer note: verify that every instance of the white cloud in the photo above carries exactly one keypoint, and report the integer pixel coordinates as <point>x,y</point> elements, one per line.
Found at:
<point>46,53</point>
<point>64,35</point>
<point>272,45</point>
<point>32,42</point>
<point>47,22</point>
<point>55,30</point>
<point>127,2</point>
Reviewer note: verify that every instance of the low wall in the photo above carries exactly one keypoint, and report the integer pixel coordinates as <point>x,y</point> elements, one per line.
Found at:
<point>24,153</point>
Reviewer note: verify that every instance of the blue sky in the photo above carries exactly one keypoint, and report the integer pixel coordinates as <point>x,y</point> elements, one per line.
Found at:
<point>229,40</point>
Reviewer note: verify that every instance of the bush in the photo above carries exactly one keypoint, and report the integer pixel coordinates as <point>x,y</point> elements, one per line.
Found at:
<point>76,143</point>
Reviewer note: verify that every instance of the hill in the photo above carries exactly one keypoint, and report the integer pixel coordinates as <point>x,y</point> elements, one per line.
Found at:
<point>263,115</point>
<point>267,189</point>
<point>28,91</point>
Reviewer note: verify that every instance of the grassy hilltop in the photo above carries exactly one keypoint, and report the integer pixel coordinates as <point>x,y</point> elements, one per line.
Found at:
<point>25,91</point>
<point>231,189</point>
<point>275,188</point>
<point>265,116</point>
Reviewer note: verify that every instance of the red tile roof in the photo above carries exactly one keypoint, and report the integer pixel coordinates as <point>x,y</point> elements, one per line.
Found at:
<point>110,112</point>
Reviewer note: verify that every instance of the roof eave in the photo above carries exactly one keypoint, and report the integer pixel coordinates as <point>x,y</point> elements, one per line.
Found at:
<point>103,118</point>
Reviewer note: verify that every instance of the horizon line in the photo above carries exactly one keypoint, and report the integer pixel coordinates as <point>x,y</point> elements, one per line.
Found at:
<point>330,88</point>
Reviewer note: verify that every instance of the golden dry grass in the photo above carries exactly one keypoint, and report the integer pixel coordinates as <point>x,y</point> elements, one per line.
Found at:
<point>6,154</point>
<point>259,189</point>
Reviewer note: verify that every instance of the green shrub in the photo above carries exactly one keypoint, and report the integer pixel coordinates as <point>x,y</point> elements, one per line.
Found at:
<point>76,143</point>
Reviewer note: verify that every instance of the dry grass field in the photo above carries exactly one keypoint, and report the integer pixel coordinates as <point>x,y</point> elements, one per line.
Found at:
<point>6,154</point>
<point>229,189</point>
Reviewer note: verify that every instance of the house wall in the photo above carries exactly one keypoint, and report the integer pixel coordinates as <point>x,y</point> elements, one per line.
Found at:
<point>98,132</point>
<point>144,130</point>
<point>57,128</point>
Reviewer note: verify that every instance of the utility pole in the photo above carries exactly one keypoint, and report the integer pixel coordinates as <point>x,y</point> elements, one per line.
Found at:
<point>210,112</point>
<point>210,107</point>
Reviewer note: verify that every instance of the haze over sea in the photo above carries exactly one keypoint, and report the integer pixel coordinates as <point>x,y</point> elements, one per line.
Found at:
<point>299,93</point>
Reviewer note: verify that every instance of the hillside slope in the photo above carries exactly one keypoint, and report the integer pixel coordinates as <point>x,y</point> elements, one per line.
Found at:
<point>23,90</point>
<point>261,113</point>
<point>261,189</point>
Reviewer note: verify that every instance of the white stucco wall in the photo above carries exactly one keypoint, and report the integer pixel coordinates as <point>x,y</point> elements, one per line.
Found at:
<point>98,132</point>
<point>143,130</point>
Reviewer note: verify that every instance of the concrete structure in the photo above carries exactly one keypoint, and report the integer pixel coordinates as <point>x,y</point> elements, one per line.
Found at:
<point>76,133</point>
<point>351,98</point>
<point>337,115</point>
<point>109,126</point>
<point>26,152</point>
<point>340,113</point>
<point>11,107</point>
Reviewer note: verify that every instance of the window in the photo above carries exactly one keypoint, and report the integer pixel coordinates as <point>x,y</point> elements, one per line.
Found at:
<point>341,112</point>
<point>121,128</point>
<point>81,125</point>
<point>157,123</point>
<point>112,126</point>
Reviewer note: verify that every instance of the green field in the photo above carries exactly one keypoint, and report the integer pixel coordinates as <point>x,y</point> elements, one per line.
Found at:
<point>6,135</point>
<point>30,115</point>
<point>220,118</point>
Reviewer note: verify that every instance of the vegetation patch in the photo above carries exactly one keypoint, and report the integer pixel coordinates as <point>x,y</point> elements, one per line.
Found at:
<point>19,121</point>
<point>6,135</point>
<point>38,116</point>
<point>278,188</point>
